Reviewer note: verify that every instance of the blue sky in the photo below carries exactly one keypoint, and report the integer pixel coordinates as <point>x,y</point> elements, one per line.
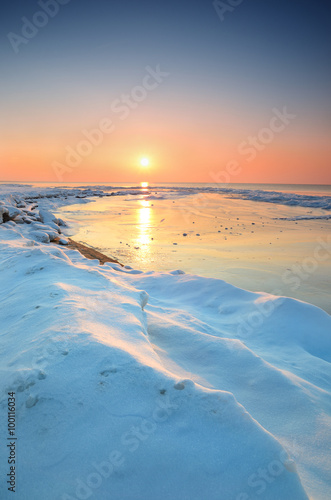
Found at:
<point>224,75</point>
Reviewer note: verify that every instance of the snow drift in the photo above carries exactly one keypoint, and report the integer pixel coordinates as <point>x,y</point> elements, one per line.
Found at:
<point>147,386</point>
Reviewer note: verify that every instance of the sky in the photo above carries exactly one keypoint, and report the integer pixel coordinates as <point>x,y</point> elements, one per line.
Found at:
<point>233,91</point>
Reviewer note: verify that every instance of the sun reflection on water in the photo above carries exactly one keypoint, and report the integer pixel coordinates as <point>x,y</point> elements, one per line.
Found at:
<point>144,213</point>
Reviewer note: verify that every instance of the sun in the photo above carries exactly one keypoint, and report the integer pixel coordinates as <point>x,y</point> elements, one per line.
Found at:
<point>144,162</point>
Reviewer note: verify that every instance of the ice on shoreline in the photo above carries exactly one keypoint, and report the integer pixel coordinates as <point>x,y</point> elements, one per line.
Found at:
<point>163,192</point>
<point>156,385</point>
<point>306,217</point>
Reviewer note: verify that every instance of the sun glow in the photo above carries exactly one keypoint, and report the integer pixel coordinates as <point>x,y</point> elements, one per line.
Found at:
<point>144,162</point>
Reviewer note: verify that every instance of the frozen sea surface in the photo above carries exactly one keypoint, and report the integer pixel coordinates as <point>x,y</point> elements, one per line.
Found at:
<point>260,242</point>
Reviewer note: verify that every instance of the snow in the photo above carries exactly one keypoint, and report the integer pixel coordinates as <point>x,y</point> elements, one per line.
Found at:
<point>41,236</point>
<point>81,194</point>
<point>148,385</point>
<point>290,199</point>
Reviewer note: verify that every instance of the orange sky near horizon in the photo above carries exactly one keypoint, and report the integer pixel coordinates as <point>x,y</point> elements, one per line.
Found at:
<point>175,154</point>
<point>170,82</point>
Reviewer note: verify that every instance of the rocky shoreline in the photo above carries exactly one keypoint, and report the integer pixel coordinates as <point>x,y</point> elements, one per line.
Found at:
<point>43,226</point>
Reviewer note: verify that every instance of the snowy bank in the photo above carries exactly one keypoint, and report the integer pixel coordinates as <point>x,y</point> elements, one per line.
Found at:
<point>155,385</point>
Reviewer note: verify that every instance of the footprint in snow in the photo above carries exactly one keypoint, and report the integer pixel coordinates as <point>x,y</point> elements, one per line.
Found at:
<point>106,373</point>
<point>180,386</point>
<point>31,401</point>
<point>143,299</point>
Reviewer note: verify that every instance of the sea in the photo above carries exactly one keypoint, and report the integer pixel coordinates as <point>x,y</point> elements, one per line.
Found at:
<point>273,238</point>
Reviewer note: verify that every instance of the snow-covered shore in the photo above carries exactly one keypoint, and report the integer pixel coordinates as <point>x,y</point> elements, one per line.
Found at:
<point>148,386</point>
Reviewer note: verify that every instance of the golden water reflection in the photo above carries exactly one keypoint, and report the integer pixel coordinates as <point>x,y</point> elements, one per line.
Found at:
<point>144,214</point>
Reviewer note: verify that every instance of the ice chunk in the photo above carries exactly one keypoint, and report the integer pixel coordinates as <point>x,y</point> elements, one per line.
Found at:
<point>40,236</point>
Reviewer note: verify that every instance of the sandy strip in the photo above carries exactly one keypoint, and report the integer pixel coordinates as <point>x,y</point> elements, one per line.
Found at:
<point>91,253</point>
